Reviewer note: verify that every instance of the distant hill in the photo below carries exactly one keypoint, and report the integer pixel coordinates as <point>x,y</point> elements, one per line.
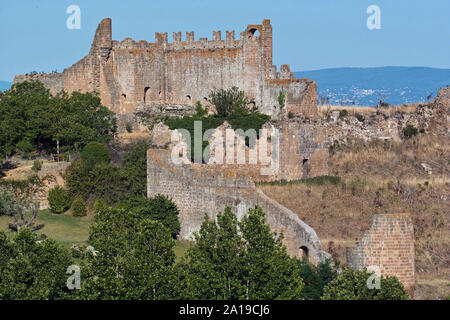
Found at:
<point>4,85</point>
<point>364,86</point>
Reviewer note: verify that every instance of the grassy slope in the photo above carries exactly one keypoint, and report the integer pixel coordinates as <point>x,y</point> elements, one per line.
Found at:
<point>69,230</point>
<point>382,177</point>
<point>64,228</point>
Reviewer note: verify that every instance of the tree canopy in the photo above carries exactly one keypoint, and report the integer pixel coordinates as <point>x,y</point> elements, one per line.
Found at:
<point>31,119</point>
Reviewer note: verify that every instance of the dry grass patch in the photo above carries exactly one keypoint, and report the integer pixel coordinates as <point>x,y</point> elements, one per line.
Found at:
<point>367,110</point>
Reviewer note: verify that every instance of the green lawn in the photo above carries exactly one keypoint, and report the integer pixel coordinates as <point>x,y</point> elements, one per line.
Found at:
<point>64,228</point>
<point>68,230</point>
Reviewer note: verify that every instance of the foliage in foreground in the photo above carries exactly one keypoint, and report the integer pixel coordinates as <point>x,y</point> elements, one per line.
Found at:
<point>159,208</point>
<point>32,120</point>
<point>32,269</point>
<point>58,199</point>
<point>244,260</point>
<point>134,258</point>
<point>315,277</point>
<point>352,285</point>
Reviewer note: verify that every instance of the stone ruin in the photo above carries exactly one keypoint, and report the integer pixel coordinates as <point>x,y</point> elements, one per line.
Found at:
<point>165,78</point>
<point>388,248</point>
<point>174,75</point>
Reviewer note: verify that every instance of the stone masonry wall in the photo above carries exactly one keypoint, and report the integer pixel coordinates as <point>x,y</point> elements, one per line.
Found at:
<point>129,74</point>
<point>53,173</point>
<point>197,191</point>
<point>388,245</point>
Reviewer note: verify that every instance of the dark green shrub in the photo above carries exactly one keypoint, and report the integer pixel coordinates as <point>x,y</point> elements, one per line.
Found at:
<point>26,147</point>
<point>37,165</point>
<point>94,153</point>
<point>315,277</point>
<point>229,102</point>
<point>360,117</point>
<point>129,127</point>
<point>79,207</point>
<point>290,115</point>
<point>409,131</point>
<point>343,113</point>
<point>99,205</point>
<point>282,99</point>
<point>58,200</point>
<point>352,285</point>
<point>135,169</point>
<point>199,110</point>
<point>160,208</point>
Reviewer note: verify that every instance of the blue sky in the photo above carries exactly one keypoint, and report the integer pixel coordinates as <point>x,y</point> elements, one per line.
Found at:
<point>307,34</point>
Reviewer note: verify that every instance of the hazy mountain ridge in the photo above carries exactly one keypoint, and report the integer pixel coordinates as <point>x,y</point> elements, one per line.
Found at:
<point>364,86</point>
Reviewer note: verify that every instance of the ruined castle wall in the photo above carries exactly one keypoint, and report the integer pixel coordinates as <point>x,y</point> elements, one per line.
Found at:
<point>388,245</point>
<point>197,191</point>
<point>129,74</point>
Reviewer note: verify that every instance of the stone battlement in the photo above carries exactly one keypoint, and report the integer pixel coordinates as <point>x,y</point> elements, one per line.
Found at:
<point>128,74</point>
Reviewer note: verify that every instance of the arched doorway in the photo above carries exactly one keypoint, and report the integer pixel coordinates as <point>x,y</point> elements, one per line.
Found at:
<point>146,94</point>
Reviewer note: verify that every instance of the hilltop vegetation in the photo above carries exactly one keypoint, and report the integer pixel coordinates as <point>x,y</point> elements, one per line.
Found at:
<point>34,121</point>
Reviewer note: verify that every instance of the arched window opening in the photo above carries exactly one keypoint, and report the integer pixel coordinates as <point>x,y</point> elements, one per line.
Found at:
<point>188,98</point>
<point>304,252</point>
<point>253,33</point>
<point>146,94</point>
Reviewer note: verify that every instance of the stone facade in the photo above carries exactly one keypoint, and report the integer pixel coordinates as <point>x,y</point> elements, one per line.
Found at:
<point>200,189</point>
<point>388,246</point>
<point>130,74</point>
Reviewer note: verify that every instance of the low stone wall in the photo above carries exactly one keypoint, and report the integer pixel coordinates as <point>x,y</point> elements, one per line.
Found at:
<point>53,172</point>
<point>197,191</point>
<point>388,246</point>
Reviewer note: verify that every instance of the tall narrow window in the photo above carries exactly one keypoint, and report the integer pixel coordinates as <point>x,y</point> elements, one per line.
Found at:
<point>146,94</point>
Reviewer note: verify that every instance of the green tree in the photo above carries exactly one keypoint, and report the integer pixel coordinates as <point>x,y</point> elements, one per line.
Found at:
<point>134,259</point>
<point>244,260</point>
<point>271,273</point>
<point>58,199</point>
<point>25,147</point>
<point>94,153</point>
<point>315,277</point>
<point>352,285</point>
<point>30,115</point>
<point>135,169</point>
<point>79,207</point>
<point>159,208</point>
<point>31,268</point>
<point>229,102</point>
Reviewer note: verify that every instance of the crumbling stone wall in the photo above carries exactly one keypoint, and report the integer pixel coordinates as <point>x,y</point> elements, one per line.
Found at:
<point>129,74</point>
<point>300,150</point>
<point>53,173</point>
<point>432,117</point>
<point>389,246</point>
<point>200,189</point>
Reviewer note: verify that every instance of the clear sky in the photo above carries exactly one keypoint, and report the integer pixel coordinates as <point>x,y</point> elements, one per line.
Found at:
<point>307,34</point>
